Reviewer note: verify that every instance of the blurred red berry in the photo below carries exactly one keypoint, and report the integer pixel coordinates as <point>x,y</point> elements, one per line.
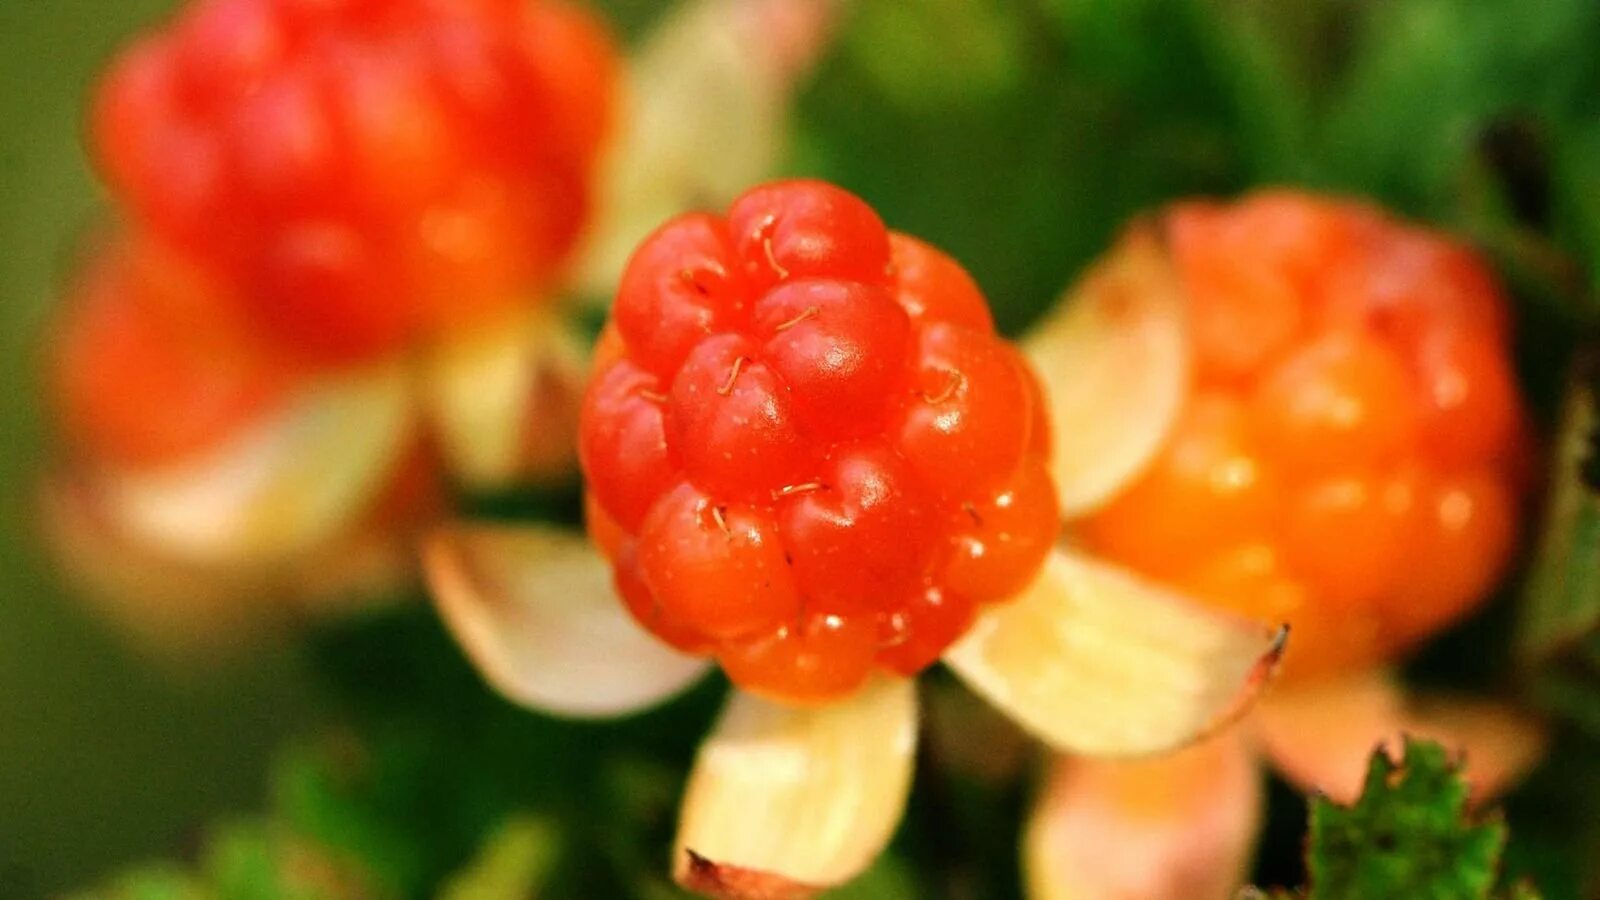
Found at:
<point>365,172</point>
<point>810,436</point>
<point>139,381</point>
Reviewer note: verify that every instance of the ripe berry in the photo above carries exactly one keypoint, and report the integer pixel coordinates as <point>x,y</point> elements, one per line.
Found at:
<point>137,382</point>
<point>808,452</point>
<point>1348,459</point>
<point>366,172</point>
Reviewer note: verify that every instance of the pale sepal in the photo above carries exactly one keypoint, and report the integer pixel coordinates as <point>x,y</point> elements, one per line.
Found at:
<point>1320,735</point>
<point>1177,827</point>
<point>280,488</point>
<point>533,607</point>
<point>503,399</point>
<point>180,608</point>
<point>785,801</point>
<point>1096,660</point>
<point>706,119</point>
<point>1113,360</point>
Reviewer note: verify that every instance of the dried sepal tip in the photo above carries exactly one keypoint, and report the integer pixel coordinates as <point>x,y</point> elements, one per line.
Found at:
<point>712,879</point>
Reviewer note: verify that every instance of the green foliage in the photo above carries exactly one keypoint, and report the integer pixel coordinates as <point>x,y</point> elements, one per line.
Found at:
<point>890,879</point>
<point>1407,836</point>
<point>1560,628</point>
<point>431,763</point>
<point>1026,171</point>
<point>1427,77</point>
<point>1019,136</point>
<point>513,865</point>
<point>245,860</point>
<point>162,881</point>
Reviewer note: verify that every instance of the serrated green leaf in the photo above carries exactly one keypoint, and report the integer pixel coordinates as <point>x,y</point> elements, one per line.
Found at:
<point>1407,836</point>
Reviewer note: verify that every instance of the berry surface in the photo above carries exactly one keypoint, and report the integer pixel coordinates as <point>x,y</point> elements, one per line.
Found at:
<point>808,453</point>
<point>367,171</point>
<point>1351,457</point>
<point>135,382</point>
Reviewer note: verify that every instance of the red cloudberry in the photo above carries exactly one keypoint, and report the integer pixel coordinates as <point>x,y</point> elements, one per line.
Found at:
<point>135,382</point>
<point>365,171</point>
<point>1348,459</point>
<point>808,452</point>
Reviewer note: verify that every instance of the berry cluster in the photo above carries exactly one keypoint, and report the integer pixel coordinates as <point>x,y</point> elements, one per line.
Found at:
<point>1350,458</point>
<point>808,452</point>
<point>364,170</point>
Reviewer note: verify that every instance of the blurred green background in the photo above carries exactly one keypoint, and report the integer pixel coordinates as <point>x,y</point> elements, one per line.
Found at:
<point>1018,135</point>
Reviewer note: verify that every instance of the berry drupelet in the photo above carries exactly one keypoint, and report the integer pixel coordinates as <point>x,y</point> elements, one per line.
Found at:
<point>366,170</point>
<point>1351,454</point>
<point>808,452</point>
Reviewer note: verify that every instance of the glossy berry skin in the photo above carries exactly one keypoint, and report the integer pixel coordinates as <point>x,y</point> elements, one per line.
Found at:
<point>135,381</point>
<point>1350,460</point>
<point>367,172</point>
<point>808,452</point>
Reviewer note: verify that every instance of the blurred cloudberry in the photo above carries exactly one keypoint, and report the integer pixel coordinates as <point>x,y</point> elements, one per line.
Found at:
<point>364,171</point>
<point>809,453</point>
<point>136,383</point>
<point>1349,458</point>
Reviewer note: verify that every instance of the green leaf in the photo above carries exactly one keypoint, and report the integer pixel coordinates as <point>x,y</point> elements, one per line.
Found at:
<point>1562,603</point>
<point>1426,77</point>
<point>1576,189</point>
<point>1407,836</point>
<point>1559,634</point>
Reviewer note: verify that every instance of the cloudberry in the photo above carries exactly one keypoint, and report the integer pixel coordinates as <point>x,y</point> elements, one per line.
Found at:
<point>135,383</point>
<point>1348,457</point>
<point>808,452</point>
<point>365,171</point>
